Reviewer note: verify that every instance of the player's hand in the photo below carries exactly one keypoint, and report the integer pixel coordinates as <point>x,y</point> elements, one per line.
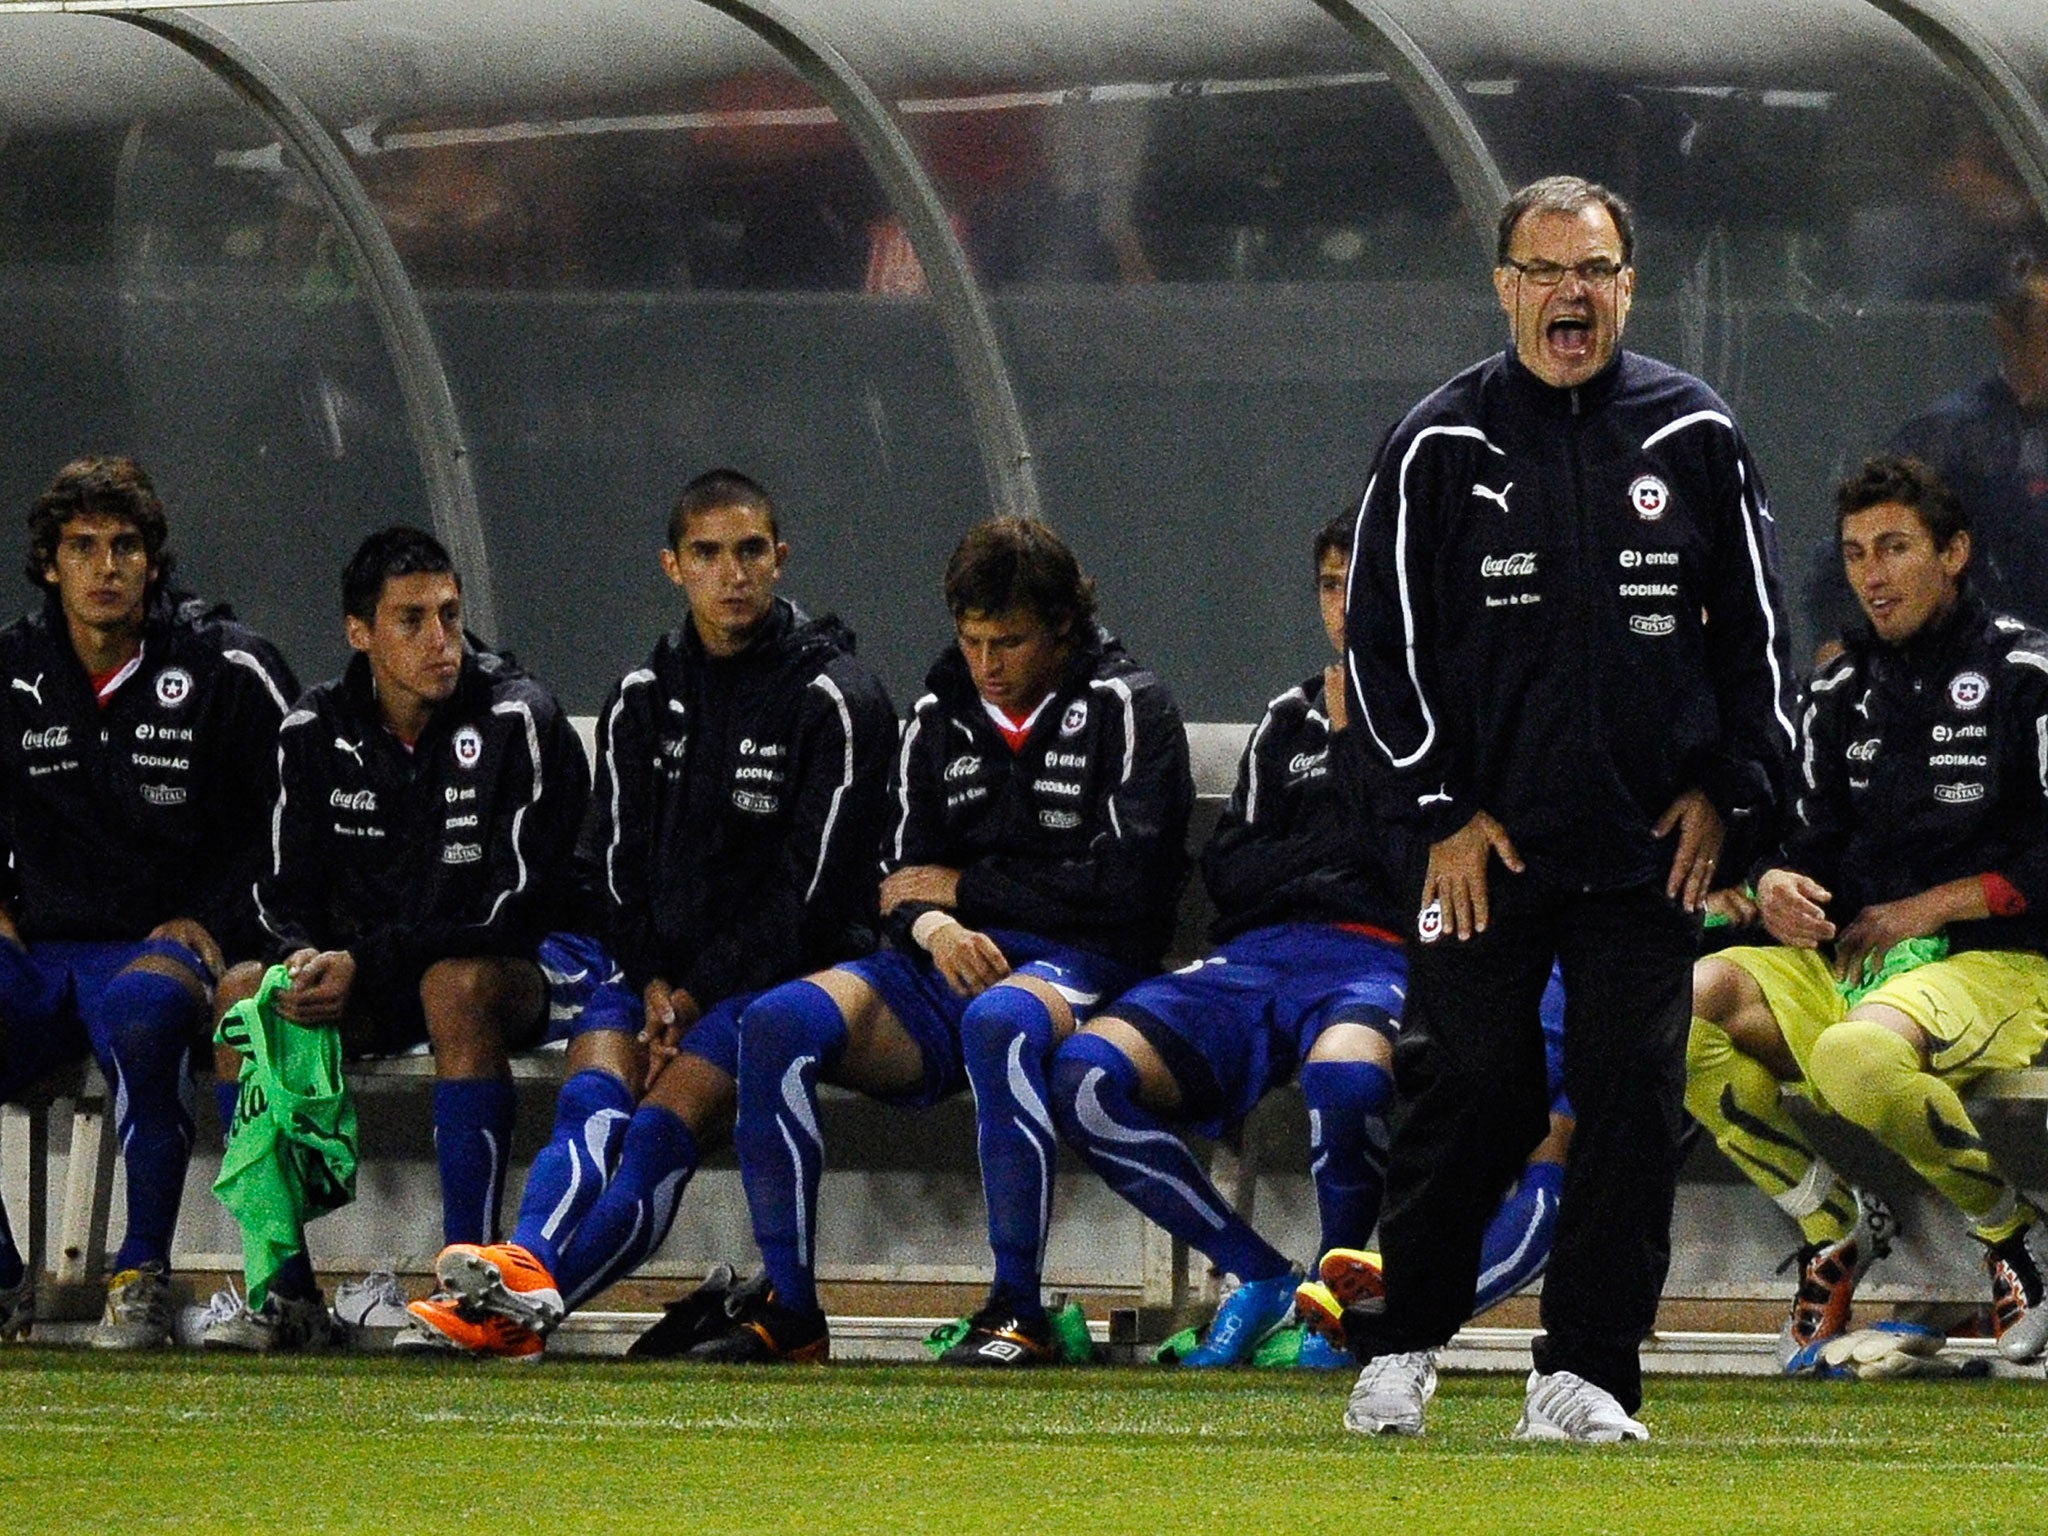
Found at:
<point>931,884</point>
<point>193,935</point>
<point>1876,929</point>
<point>1793,908</point>
<point>7,928</point>
<point>1733,905</point>
<point>321,983</point>
<point>970,961</point>
<point>1700,834</point>
<point>1457,873</point>
<point>1335,704</point>
<point>670,1013</point>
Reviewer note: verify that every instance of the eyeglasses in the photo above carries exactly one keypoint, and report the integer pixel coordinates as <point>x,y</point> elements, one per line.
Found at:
<point>1548,274</point>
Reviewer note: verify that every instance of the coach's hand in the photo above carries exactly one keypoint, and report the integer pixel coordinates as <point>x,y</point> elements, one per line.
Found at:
<point>970,961</point>
<point>1793,908</point>
<point>321,982</point>
<point>1457,873</point>
<point>931,884</point>
<point>1700,833</point>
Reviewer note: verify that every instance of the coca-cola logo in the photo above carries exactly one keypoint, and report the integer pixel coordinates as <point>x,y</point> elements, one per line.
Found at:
<point>51,740</point>
<point>1522,563</point>
<point>353,800</point>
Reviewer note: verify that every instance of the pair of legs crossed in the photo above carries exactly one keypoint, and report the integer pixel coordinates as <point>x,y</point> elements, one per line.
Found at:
<point>1896,1064</point>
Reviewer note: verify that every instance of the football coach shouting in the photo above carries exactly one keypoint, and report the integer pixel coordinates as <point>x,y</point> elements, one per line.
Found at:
<point>1566,640</point>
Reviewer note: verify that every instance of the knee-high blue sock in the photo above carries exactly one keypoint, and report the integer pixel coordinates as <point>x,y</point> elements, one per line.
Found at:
<point>1347,1138</point>
<point>148,1021</point>
<point>1517,1242</point>
<point>634,1213</point>
<point>1095,1097</point>
<point>11,1266</point>
<point>472,1133</point>
<point>786,1036</point>
<point>1006,1039</point>
<point>570,1172</point>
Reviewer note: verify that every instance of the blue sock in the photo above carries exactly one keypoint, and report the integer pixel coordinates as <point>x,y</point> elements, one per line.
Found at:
<point>634,1213</point>
<point>226,1093</point>
<point>148,1021</point>
<point>785,1037</point>
<point>1517,1241</point>
<point>1095,1096</point>
<point>1347,1138</point>
<point>11,1266</point>
<point>570,1172</point>
<point>472,1132</point>
<point>1006,1038</point>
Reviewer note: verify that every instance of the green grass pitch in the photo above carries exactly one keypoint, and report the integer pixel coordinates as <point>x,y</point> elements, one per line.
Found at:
<point>371,1444</point>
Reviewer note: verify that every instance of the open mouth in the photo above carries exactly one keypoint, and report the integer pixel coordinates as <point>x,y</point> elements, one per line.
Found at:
<point>1570,336</point>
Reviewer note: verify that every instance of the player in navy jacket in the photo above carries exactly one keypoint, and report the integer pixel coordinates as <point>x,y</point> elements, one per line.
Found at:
<point>1042,798</point>
<point>137,737</point>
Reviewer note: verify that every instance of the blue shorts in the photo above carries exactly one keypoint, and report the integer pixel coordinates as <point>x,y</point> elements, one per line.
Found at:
<point>716,1034</point>
<point>912,989</point>
<point>49,1002</point>
<point>1235,1025</point>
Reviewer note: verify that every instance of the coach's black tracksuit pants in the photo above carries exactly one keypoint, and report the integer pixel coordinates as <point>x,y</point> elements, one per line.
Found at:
<point>1471,1072</point>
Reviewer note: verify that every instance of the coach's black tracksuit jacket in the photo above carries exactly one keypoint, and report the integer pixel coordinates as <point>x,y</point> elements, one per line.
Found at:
<point>456,847</point>
<point>739,808</point>
<point>156,806</point>
<point>1928,762</point>
<point>1080,837</point>
<point>1288,849</point>
<point>1564,611</point>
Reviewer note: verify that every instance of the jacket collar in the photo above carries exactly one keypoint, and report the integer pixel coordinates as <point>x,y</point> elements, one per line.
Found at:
<point>1532,392</point>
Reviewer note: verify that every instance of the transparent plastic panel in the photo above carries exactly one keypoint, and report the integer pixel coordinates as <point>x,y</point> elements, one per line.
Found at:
<point>1826,224</point>
<point>649,259</point>
<point>1222,256</point>
<point>171,289</point>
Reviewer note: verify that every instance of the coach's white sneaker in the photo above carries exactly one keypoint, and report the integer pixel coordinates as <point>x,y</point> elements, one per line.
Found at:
<point>1565,1406</point>
<point>1391,1393</point>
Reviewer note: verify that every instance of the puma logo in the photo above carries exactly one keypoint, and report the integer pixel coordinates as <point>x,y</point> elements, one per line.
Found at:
<point>353,748</point>
<point>1500,496</point>
<point>34,690</point>
<point>1443,795</point>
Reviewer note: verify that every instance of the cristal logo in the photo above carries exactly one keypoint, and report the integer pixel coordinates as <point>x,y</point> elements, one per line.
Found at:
<point>1520,564</point>
<point>47,740</point>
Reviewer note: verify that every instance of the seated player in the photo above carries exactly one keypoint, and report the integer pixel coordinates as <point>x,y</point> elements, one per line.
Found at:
<point>1910,898</point>
<point>137,740</point>
<point>1309,974</point>
<point>1042,802</point>
<point>428,807</point>
<point>741,792</point>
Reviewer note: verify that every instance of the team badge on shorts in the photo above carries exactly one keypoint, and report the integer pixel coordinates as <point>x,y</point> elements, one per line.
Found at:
<point>1429,923</point>
<point>469,746</point>
<point>1649,496</point>
<point>1075,720</point>
<point>1967,690</point>
<point>173,687</point>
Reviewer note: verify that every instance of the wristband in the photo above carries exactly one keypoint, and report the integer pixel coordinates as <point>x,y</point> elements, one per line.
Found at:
<point>927,925</point>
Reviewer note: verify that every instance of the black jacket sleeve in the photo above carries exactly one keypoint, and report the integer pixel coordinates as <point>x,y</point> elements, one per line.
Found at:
<point>291,896</point>
<point>621,822</point>
<point>916,811</point>
<point>1391,621</point>
<point>255,689</point>
<point>1823,816</point>
<point>1258,846</point>
<point>846,731</point>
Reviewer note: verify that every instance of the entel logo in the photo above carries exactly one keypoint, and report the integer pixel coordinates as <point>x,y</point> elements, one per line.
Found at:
<point>1522,563</point>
